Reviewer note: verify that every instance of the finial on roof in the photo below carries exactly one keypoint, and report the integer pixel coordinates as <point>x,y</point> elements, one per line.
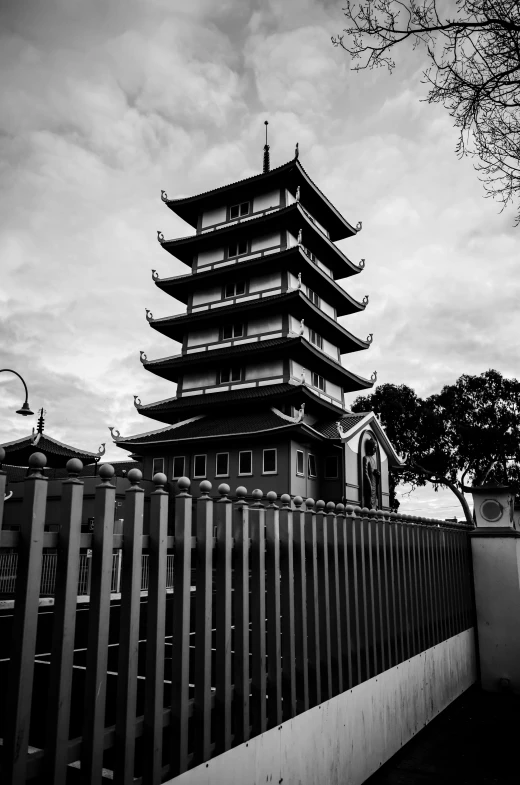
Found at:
<point>359,226</point>
<point>296,151</point>
<point>302,376</point>
<point>298,192</point>
<point>361,264</point>
<point>101,449</point>
<point>267,162</point>
<point>137,401</point>
<point>142,356</point>
<point>149,315</point>
<point>374,376</point>
<point>301,413</point>
<point>302,326</point>
<point>370,337</point>
<point>114,433</point>
<point>300,237</point>
<point>155,275</point>
<point>41,420</point>
<point>340,429</point>
<point>299,280</point>
<point>164,196</point>
<point>160,236</point>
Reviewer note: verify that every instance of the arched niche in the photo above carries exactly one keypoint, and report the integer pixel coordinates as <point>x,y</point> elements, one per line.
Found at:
<point>368,436</point>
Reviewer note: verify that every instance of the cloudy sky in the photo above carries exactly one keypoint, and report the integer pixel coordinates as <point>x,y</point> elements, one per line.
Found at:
<point>103,104</point>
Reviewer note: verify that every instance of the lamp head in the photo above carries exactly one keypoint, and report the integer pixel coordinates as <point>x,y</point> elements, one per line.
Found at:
<point>26,410</point>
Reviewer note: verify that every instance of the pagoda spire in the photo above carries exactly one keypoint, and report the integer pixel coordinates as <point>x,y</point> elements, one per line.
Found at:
<point>267,162</point>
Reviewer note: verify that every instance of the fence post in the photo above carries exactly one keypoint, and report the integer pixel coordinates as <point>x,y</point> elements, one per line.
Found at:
<point>324,601</point>
<point>300,607</point>
<point>99,620</point>
<point>495,548</point>
<point>241,616</point>
<point>313,613</point>
<point>258,658</point>
<point>129,630</point>
<point>155,633</point>
<point>272,585</point>
<point>3,477</point>
<point>64,625</point>
<point>180,675</point>
<point>331,524</point>
<point>223,516</point>
<point>23,641</point>
<point>287,607</point>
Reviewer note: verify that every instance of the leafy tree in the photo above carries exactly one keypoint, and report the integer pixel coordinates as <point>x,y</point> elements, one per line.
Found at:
<point>474,71</point>
<point>467,433</point>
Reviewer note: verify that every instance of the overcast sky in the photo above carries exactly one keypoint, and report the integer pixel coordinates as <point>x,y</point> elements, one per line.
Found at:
<point>103,104</point>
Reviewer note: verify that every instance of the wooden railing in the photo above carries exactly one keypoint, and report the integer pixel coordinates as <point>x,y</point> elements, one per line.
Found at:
<point>275,608</point>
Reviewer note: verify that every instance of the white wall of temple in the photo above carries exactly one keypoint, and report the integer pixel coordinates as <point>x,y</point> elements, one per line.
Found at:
<point>252,327</point>
<point>268,281</point>
<point>266,324</point>
<point>264,370</point>
<point>192,379</point>
<point>252,371</point>
<point>207,295</point>
<point>334,390</point>
<point>328,347</point>
<point>198,337</point>
<point>258,283</point>
<point>207,257</point>
<point>267,200</point>
<point>215,216</point>
<point>265,241</point>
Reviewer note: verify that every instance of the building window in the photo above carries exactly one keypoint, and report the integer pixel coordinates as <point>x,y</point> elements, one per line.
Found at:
<point>238,210</point>
<point>158,466</point>
<point>179,466</point>
<point>299,462</point>
<point>238,248</point>
<point>235,289</point>
<point>318,381</point>
<point>269,462</point>
<point>331,467</point>
<point>232,331</point>
<point>245,463</point>
<point>313,297</point>
<point>222,464</point>
<point>316,339</point>
<point>229,374</point>
<point>311,466</point>
<point>199,465</point>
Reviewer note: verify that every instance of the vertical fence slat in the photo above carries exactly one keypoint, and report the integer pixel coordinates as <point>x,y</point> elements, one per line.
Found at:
<point>363,526</point>
<point>25,621</point>
<point>99,619</point>
<point>223,521</point>
<point>287,608</point>
<point>241,617</point>
<point>371,524</point>
<point>393,588</point>
<point>300,608</point>
<point>335,619</point>
<point>324,601</point>
<point>354,594</point>
<point>344,593</point>
<point>258,652</point>
<point>379,525</point>
<point>203,626</point>
<point>405,578</point>
<point>274,642</point>
<point>180,676</point>
<point>155,634</point>
<point>3,478</point>
<point>416,590</point>
<point>128,649</point>
<point>64,624</point>
<point>313,611</point>
<point>387,594</point>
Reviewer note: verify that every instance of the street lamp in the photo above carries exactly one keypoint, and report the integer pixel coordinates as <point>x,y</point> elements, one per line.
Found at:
<point>25,409</point>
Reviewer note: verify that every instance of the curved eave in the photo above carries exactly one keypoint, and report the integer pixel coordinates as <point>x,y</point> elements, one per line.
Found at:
<point>289,175</point>
<point>294,347</point>
<point>294,301</point>
<point>292,218</point>
<point>293,259</point>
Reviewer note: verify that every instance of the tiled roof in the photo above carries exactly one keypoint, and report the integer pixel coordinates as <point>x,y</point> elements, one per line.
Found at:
<point>241,348</point>
<point>46,444</point>
<point>206,427</point>
<point>329,428</point>
<point>266,391</point>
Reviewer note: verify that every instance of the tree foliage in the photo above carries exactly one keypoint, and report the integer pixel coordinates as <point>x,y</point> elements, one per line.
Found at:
<point>467,433</point>
<point>474,71</point>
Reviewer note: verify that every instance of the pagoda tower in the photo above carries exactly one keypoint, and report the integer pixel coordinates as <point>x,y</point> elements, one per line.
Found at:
<point>260,378</point>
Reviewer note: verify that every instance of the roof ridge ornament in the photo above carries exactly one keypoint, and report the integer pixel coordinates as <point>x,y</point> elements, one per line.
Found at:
<point>298,192</point>
<point>302,326</point>
<point>142,356</point>
<point>302,376</point>
<point>114,433</point>
<point>370,337</point>
<point>359,226</point>
<point>300,237</point>
<point>361,264</point>
<point>149,315</point>
<point>365,300</point>
<point>160,236</point>
<point>297,151</point>
<point>164,196</point>
<point>267,161</point>
<point>340,429</point>
<point>374,376</point>
<point>137,401</point>
<point>101,449</point>
<point>155,275</point>
<point>299,280</point>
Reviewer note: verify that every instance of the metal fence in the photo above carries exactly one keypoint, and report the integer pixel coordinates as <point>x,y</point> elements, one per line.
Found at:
<point>277,606</point>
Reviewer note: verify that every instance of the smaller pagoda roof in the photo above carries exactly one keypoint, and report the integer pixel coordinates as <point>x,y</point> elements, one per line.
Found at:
<point>292,218</point>
<point>17,452</point>
<point>289,175</point>
<point>293,259</point>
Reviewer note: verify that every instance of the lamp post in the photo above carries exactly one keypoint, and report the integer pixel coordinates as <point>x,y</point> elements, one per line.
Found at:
<point>25,409</point>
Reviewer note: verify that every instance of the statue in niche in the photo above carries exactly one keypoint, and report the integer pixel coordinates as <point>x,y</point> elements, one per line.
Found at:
<point>371,476</point>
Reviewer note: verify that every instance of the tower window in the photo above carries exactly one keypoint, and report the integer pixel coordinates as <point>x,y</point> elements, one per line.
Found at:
<point>229,374</point>
<point>316,339</point>
<point>313,297</point>
<point>311,466</point>
<point>245,463</point>
<point>158,466</point>
<point>232,331</point>
<point>238,210</point>
<point>235,289</point>
<point>222,464</point>
<point>318,381</point>
<point>179,466</point>
<point>199,465</point>
<point>299,462</point>
<point>238,248</point>
<point>332,467</point>
<point>269,462</point>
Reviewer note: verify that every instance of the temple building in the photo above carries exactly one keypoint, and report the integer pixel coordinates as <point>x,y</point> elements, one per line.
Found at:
<point>260,377</point>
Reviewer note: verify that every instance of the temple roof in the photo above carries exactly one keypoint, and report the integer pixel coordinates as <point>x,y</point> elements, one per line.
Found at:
<point>292,218</point>
<point>295,301</point>
<point>293,259</point>
<point>17,452</point>
<point>291,175</point>
<point>296,347</point>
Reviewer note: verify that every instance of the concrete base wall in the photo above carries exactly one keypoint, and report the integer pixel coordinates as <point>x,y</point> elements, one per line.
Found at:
<point>344,740</point>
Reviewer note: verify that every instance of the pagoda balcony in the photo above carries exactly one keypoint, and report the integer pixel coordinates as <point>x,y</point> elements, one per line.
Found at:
<point>293,302</point>
<point>289,347</point>
<point>295,260</point>
<point>288,177</point>
<point>290,219</point>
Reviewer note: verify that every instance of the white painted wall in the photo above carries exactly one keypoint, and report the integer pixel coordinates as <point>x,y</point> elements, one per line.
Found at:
<point>328,309</point>
<point>193,379</point>
<point>334,390</point>
<point>264,201</point>
<point>264,325</point>
<point>293,281</point>
<point>197,337</point>
<point>325,269</point>
<point>291,240</point>
<point>268,281</point>
<point>345,740</point>
<point>289,197</point>
<point>207,257</point>
<point>264,370</point>
<point>265,241</point>
<point>207,295</point>
<point>330,349</point>
<point>215,216</point>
